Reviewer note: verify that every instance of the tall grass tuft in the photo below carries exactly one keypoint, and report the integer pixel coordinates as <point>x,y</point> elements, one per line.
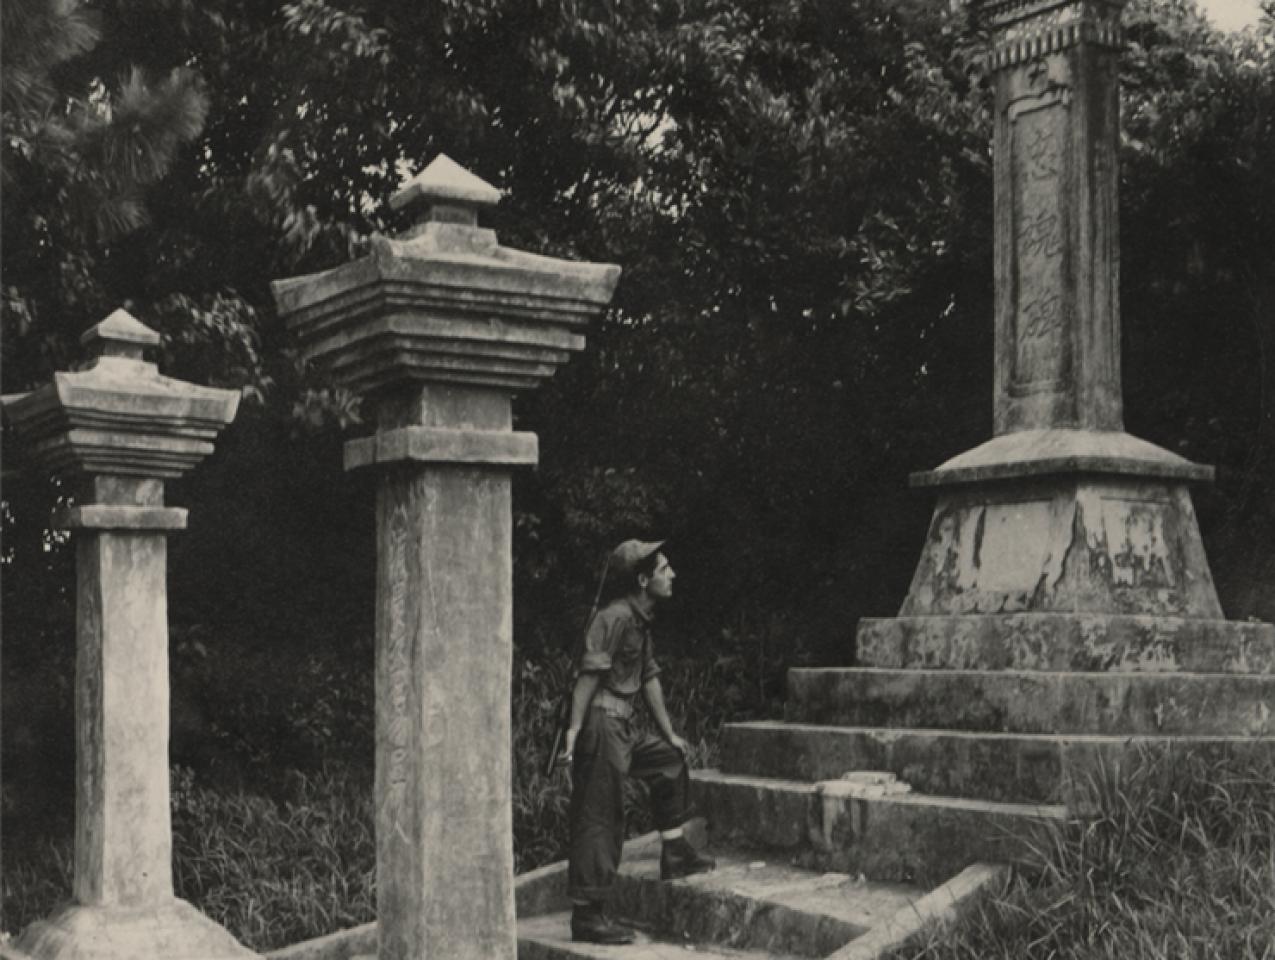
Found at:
<point>276,871</point>
<point>1174,858</point>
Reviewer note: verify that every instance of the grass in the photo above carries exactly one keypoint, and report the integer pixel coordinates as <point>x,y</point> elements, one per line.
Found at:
<point>288,855</point>
<point>1176,860</point>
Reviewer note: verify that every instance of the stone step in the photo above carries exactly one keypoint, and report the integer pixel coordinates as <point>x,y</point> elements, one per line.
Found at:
<point>747,907</point>
<point>1200,704</point>
<point>835,825</point>
<point>1012,767</point>
<point>1073,642</point>
<point>548,937</point>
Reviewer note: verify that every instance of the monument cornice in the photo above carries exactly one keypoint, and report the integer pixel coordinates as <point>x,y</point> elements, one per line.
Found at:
<point>1059,452</point>
<point>1023,30</point>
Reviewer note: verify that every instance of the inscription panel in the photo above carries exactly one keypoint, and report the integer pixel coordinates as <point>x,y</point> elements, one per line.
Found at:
<point>1042,342</point>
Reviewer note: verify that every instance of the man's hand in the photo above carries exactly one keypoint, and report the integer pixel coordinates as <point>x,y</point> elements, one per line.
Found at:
<point>568,748</point>
<point>680,745</point>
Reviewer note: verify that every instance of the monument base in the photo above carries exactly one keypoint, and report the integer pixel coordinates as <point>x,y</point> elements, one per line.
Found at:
<point>169,931</point>
<point>1062,533</point>
<point>1076,642</point>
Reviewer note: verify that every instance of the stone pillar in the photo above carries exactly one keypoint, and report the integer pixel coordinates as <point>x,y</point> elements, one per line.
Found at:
<point>117,430</point>
<point>1057,246</point>
<point>439,329</point>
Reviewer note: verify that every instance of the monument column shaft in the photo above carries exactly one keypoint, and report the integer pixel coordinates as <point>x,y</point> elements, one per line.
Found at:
<point>444,656</point>
<point>1057,234</point>
<point>123,837</point>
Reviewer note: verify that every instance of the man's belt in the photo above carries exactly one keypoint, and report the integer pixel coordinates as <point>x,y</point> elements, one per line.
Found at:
<point>612,704</point>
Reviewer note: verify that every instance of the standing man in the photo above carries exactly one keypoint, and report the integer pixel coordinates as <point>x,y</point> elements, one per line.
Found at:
<point>604,746</point>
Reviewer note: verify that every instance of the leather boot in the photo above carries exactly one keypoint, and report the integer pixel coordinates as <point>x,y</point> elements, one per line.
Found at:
<point>590,924</point>
<point>679,859</point>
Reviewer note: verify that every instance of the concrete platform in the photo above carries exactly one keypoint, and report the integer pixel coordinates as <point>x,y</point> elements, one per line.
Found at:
<point>1011,767</point>
<point>826,825</point>
<point>1066,642</point>
<point>1216,704</point>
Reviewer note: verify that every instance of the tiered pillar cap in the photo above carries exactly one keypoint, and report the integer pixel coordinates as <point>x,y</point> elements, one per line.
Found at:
<point>446,303</point>
<point>119,416</point>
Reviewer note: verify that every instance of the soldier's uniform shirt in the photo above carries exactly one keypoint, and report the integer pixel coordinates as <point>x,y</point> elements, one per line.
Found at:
<point>618,646</point>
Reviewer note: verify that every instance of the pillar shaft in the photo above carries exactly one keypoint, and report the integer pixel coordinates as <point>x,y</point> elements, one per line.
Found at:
<point>123,838</point>
<point>1057,240</point>
<point>443,671</point>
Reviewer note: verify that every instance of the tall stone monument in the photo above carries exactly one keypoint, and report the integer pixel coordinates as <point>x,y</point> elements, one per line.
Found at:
<point>117,430</point>
<point>1063,540</point>
<point>438,329</point>
<point>1062,616</point>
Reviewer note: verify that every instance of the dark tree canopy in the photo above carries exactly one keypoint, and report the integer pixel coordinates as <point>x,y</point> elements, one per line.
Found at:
<point>800,196</point>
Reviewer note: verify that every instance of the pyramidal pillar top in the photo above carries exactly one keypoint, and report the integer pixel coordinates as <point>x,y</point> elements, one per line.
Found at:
<point>1058,404</point>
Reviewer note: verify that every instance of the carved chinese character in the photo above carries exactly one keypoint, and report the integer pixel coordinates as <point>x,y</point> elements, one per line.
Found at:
<point>1040,235</point>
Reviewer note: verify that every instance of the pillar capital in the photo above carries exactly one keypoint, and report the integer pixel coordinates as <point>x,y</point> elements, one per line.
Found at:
<point>119,418</point>
<point>445,304</point>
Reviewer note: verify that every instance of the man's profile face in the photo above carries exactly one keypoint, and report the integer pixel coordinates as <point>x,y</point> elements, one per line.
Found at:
<point>659,585</point>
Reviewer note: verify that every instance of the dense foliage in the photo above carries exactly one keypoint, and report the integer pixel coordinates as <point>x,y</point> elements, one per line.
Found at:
<point>1177,860</point>
<point>799,192</point>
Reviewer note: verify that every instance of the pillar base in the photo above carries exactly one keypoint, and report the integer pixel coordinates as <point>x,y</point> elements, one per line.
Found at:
<point>174,930</point>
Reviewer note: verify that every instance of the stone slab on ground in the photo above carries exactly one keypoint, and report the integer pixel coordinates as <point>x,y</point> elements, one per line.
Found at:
<point>937,909</point>
<point>755,903</point>
<point>1200,704</point>
<point>829,825</point>
<point>1011,767</point>
<point>548,937</point>
<point>1074,642</point>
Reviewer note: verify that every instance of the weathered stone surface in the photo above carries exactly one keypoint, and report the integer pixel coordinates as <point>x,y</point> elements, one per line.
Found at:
<point>1036,702</point>
<point>913,838</point>
<point>123,842</point>
<point>1070,546</point>
<point>1010,767</point>
<point>1073,642</point>
<point>444,662</point>
<point>166,929</point>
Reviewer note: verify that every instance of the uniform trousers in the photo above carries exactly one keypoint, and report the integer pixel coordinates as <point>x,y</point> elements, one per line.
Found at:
<point>607,749</point>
